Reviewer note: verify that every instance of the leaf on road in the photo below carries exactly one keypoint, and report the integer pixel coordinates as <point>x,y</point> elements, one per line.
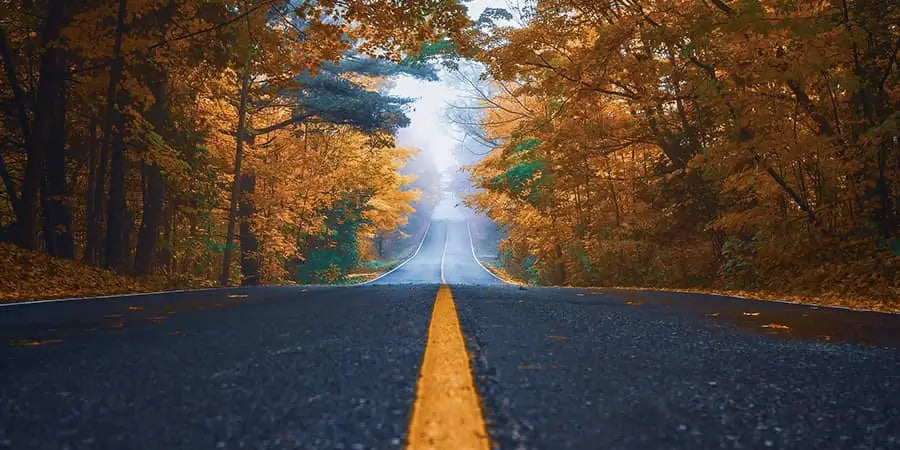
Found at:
<point>33,343</point>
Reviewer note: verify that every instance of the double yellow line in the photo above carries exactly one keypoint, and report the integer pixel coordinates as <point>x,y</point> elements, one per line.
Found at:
<point>446,412</point>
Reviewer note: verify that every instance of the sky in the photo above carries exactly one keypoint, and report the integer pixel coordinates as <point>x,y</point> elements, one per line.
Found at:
<point>430,131</point>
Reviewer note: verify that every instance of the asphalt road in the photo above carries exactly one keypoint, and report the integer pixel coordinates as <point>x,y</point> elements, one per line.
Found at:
<point>337,367</point>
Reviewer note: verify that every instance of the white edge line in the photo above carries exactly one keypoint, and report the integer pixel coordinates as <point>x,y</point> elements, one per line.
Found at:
<point>475,257</point>
<point>741,297</point>
<point>425,235</point>
<point>443,254</point>
<point>112,296</point>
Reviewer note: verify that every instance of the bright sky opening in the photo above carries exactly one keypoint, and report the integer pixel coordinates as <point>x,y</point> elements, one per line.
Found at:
<point>429,130</point>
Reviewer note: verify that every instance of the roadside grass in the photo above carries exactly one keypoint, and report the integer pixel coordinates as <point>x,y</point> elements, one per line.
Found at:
<point>889,303</point>
<point>886,305</point>
<point>33,275</point>
<point>370,271</point>
<point>493,265</point>
<point>29,275</point>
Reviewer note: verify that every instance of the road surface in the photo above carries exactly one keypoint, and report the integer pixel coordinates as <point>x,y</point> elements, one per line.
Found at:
<point>371,366</point>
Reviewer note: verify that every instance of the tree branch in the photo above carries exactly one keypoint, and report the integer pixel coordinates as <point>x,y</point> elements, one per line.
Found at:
<point>722,6</point>
<point>213,27</point>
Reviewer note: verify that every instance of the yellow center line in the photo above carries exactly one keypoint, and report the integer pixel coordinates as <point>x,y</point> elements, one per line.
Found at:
<point>446,412</point>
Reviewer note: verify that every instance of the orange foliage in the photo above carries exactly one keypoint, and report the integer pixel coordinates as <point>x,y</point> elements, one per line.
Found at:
<point>750,145</point>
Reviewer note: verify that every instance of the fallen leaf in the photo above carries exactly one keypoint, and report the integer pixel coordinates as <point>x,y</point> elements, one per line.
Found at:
<point>33,343</point>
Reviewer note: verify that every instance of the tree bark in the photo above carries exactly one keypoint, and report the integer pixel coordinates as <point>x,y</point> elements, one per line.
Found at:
<point>89,256</point>
<point>27,205</point>
<point>50,133</point>
<point>154,185</point>
<point>235,186</point>
<point>94,219</point>
<point>151,220</point>
<point>249,243</point>
<point>167,255</point>
<point>153,182</point>
<point>886,208</point>
<point>22,116</point>
<point>117,219</point>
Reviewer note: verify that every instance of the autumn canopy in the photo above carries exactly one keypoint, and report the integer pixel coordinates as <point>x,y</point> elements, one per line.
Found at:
<point>750,144</point>
<point>162,136</point>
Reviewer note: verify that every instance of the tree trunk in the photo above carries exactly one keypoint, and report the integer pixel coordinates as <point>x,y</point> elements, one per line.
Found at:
<point>151,220</point>
<point>94,219</point>
<point>154,185</point>
<point>117,220</point>
<point>886,208</point>
<point>558,276</point>
<point>10,187</point>
<point>235,186</point>
<point>26,206</point>
<point>50,134</point>
<point>118,223</point>
<point>22,116</point>
<point>89,256</point>
<point>249,243</point>
<point>168,255</point>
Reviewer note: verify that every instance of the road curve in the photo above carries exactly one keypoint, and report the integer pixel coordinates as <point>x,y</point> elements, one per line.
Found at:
<point>446,255</point>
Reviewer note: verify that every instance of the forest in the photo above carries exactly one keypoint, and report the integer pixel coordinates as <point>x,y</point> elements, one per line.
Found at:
<point>732,144</point>
<point>212,142</point>
<point>748,144</point>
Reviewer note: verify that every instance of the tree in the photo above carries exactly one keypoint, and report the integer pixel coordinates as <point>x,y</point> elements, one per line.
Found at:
<point>121,120</point>
<point>741,137</point>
